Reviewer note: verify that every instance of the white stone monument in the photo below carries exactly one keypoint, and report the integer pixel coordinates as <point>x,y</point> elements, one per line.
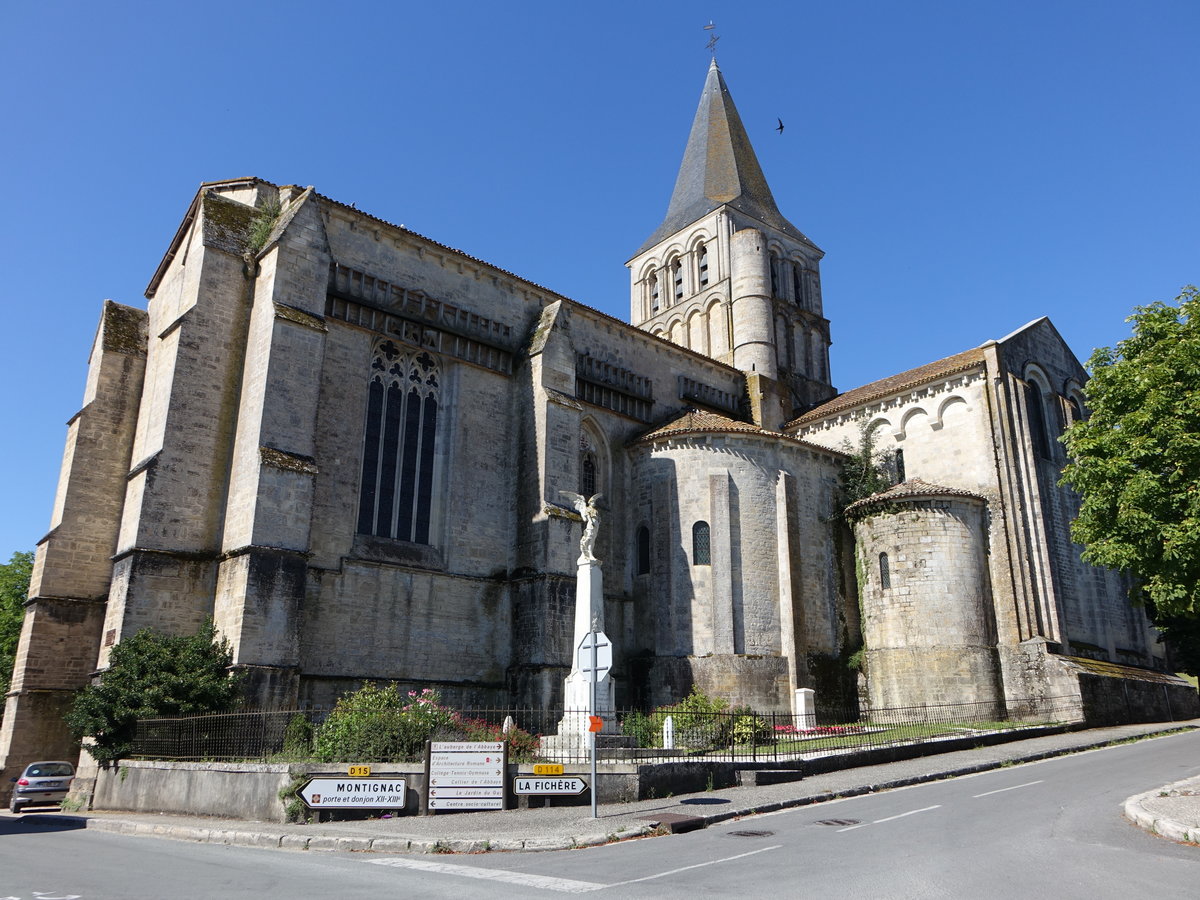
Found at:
<point>589,616</point>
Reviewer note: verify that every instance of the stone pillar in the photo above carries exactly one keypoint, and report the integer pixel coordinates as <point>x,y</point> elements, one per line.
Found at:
<point>804,708</point>
<point>589,616</point>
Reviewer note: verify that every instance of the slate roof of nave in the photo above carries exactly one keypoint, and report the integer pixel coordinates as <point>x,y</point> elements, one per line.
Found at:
<point>884,387</point>
<point>719,168</point>
<point>698,421</point>
<point>911,489</point>
<point>551,294</point>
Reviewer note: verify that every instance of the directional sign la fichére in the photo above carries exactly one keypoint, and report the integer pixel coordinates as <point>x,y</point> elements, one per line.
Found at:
<point>567,785</point>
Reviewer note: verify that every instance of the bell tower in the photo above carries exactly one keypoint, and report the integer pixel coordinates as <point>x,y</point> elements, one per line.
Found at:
<point>726,275</point>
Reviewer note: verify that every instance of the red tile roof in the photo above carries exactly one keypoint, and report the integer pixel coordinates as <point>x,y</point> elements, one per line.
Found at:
<point>909,490</point>
<point>696,421</point>
<point>951,365</point>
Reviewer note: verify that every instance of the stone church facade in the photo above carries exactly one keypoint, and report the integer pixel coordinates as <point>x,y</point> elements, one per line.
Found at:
<point>345,443</point>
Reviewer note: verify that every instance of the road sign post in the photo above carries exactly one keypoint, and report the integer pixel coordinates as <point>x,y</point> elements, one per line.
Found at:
<point>594,659</point>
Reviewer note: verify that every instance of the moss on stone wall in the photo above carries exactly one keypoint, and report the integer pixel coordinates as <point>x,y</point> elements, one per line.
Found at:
<point>124,329</point>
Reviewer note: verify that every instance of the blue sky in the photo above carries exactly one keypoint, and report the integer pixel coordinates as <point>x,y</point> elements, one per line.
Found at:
<point>967,167</point>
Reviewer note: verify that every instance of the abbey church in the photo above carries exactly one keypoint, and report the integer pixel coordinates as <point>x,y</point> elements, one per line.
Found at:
<point>346,444</point>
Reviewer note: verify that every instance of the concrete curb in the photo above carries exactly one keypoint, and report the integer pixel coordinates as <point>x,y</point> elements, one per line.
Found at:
<point>290,840</point>
<point>341,844</point>
<point>1160,825</point>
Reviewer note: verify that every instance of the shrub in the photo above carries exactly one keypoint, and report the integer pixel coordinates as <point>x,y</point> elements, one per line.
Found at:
<point>297,737</point>
<point>376,724</point>
<point>700,722</point>
<point>747,728</point>
<point>522,746</point>
<point>152,674</point>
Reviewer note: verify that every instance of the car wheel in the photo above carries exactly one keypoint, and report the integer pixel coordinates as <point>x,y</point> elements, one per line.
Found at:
<point>15,805</point>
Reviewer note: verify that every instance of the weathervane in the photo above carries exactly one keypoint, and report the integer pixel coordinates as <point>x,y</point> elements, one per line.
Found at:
<point>712,38</point>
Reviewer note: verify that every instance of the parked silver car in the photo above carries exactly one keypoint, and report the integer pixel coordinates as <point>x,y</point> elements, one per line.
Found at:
<point>41,782</point>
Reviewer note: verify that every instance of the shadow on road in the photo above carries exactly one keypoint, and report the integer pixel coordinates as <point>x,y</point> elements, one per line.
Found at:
<point>39,821</point>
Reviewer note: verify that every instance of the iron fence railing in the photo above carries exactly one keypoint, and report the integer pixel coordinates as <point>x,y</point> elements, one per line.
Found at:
<point>630,736</point>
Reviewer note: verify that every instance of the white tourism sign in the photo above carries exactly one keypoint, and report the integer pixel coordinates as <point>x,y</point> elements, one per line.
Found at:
<point>561,785</point>
<point>466,775</point>
<point>355,793</point>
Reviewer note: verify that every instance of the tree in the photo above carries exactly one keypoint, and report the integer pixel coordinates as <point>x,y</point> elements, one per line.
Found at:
<point>14,586</point>
<point>867,471</point>
<point>1136,463</point>
<point>152,674</point>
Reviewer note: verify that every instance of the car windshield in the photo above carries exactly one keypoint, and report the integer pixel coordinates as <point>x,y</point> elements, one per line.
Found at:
<point>49,770</point>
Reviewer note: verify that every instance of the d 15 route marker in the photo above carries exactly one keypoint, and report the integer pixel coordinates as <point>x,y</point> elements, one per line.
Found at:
<point>567,785</point>
<point>355,793</point>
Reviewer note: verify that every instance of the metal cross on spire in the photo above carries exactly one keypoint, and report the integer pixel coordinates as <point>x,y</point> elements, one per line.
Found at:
<point>713,37</point>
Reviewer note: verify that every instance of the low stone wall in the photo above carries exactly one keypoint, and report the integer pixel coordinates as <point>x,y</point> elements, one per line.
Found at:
<point>230,790</point>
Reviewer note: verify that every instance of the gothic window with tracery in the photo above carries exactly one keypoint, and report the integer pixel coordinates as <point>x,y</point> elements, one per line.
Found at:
<point>591,471</point>
<point>701,554</point>
<point>587,477</point>
<point>396,493</point>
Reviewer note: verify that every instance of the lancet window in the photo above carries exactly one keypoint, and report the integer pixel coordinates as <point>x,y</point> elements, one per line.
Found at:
<point>701,554</point>
<point>396,493</point>
<point>702,255</point>
<point>643,550</point>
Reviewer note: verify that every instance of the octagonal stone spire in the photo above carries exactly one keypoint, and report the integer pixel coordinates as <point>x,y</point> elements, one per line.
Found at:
<point>719,168</point>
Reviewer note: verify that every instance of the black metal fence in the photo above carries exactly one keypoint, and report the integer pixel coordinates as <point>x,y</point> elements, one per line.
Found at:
<point>629,736</point>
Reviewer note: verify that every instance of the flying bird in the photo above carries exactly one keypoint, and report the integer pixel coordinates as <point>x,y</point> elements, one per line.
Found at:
<point>780,128</point>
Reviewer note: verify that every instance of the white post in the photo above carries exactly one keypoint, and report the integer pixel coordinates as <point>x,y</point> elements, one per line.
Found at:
<point>806,708</point>
<point>593,677</point>
<point>668,735</point>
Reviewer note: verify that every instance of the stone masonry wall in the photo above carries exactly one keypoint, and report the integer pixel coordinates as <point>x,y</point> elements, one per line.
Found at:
<point>928,628</point>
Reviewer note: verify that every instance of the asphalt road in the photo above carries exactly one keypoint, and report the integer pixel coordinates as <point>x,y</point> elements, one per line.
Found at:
<point>1049,829</point>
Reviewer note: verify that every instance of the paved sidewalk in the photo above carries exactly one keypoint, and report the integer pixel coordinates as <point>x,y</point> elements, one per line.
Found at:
<point>1172,811</point>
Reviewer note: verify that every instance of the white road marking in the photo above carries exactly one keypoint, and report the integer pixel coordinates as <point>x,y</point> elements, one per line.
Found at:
<point>711,862</point>
<point>911,812</point>
<point>1002,790</point>
<point>544,882</point>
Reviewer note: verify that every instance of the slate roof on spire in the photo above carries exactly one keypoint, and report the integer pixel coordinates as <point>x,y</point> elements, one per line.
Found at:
<point>719,167</point>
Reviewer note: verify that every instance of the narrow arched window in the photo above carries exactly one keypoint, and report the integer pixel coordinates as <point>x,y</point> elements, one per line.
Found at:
<point>1036,413</point>
<point>885,573</point>
<point>700,549</point>
<point>797,284</point>
<point>396,490</point>
<point>703,265</point>
<point>654,293</point>
<point>774,263</point>
<point>677,279</point>
<point>1075,409</point>
<point>643,551</point>
<point>587,475</point>
<point>900,476</point>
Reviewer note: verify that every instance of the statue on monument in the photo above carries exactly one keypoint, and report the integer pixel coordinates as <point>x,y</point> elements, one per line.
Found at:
<point>586,507</point>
